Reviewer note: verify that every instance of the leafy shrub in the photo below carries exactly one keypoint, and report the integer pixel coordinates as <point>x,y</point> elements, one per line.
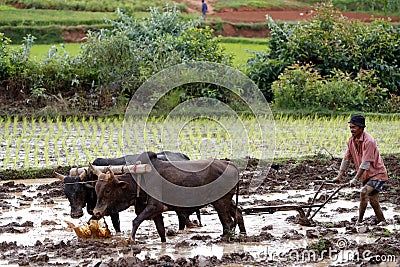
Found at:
<point>35,82</point>
<point>329,41</point>
<point>112,64</point>
<point>304,87</point>
<point>381,6</point>
<point>132,50</point>
<point>4,60</point>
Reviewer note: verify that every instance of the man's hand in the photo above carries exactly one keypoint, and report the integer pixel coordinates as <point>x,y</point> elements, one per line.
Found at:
<point>339,177</point>
<point>354,182</point>
<point>337,180</point>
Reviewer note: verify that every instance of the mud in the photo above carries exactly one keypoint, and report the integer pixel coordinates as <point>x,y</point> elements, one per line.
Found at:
<point>34,232</point>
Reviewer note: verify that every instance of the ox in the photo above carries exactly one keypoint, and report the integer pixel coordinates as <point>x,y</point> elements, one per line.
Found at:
<point>132,159</point>
<point>80,190</point>
<point>117,192</point>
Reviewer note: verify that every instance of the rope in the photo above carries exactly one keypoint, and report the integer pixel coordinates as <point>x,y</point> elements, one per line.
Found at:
<point>82,182</point>
<point>138,185</point>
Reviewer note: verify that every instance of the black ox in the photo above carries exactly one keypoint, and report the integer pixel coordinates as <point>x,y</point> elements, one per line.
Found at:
<point>80,190</point>
<point>117,192</point>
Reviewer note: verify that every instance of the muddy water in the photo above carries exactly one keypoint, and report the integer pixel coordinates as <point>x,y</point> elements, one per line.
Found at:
<point>48,215</point>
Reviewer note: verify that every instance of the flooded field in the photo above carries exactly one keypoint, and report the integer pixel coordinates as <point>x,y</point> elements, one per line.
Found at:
<point>34,232</point>
<point>43,143</point>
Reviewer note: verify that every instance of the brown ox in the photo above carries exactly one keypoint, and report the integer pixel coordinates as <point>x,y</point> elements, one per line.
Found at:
<point>116,190</point>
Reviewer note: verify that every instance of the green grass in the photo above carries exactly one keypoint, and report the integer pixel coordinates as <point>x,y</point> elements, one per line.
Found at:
<point>39,51</point>
<point>94,5</point>
<point>243,40</point>
<point>16,17</point>
<point>242,51</point>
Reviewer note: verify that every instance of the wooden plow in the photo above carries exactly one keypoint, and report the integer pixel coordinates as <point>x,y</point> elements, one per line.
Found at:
<point>116,169</point>
<point>304,210</point>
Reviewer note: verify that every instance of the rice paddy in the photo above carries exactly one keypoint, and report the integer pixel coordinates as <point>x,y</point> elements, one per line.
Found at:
<point>41,142</point>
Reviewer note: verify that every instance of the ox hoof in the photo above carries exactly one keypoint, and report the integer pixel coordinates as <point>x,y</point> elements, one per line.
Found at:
<point>193,224</point>
<point>131,241</point>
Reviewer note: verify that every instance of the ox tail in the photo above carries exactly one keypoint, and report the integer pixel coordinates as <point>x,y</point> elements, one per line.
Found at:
<point>236,206</point>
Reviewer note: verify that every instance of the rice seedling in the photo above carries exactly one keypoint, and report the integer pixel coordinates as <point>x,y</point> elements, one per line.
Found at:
<point>15,126</point>
<point>35,155</point>
<point>27,148</point>
<point>16,156</point>
<point>46,150</point>
<point>7,127</point>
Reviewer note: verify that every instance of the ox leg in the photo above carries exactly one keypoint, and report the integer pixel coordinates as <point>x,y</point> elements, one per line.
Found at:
<point>237,213</point>
<point>153,208</point>
<point>223,209</point>
<point>159,221</point>
<point>115,221</point>
<point>198,217</point>
<point>182,220</point>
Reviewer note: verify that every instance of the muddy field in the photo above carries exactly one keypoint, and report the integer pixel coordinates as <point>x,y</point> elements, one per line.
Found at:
<point>34,232</point>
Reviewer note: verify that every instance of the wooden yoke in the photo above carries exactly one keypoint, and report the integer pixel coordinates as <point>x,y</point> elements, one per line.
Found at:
<point>116,169</point>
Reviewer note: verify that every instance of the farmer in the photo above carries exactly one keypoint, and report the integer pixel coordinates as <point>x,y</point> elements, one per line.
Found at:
<point>204,8</point>
<point>371,171</point>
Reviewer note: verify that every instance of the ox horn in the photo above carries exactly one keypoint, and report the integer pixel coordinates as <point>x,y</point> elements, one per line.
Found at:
<point>59,176</point>
<point>83,175</point>
<point>94,170</point>
<point>111,172</point>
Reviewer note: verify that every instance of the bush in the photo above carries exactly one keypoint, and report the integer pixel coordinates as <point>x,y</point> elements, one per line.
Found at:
<point>329,42</point>
<point>304,87</point>
<point>111,65</point>
<point>4,55</point>
<point>133,50</point>
<point>36,83</point>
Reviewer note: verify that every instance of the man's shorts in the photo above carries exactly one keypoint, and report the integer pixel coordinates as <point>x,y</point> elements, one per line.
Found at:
<point>376,184</point>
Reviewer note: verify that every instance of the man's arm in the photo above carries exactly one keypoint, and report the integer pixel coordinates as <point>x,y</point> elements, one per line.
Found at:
<point>363,167</point>
<point>343,168</point>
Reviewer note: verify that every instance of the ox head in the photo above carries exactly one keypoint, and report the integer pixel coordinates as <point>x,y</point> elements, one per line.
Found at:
<point>77,192</point>
<point>108,188</point>
<point>148,157</point>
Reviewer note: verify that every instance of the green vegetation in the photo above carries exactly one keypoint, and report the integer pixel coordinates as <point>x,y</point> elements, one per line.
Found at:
<point>38,17</point>
<point>303,87</point>
<point>38,51</point>
<point>304,67</point>
<point>127,48</point>
<point>126,6</point>
<point>338,54</point>
<point>47,26</point>
<point>327,63</point>
<point>113,62</point>
<point>242,51</point>
<point>242,40</point>
<point>76,140</point>
<point>377,7</point>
